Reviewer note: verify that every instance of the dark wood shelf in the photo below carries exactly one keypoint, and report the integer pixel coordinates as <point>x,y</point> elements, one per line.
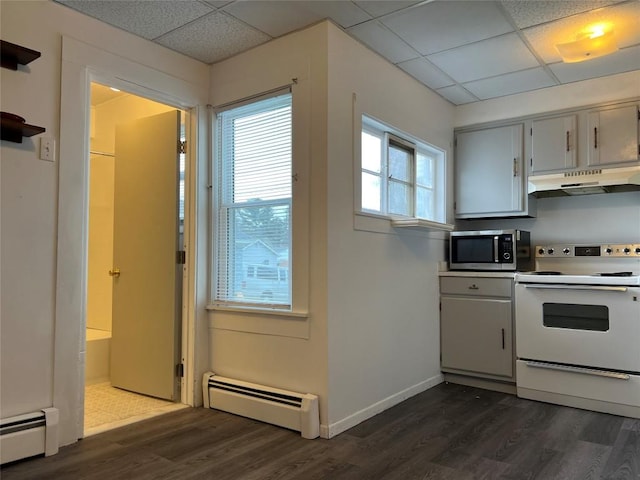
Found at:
<point>14,130</point>
<point>14,55</point>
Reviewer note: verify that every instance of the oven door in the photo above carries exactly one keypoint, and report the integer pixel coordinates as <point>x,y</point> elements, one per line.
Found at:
<point>585,325</point>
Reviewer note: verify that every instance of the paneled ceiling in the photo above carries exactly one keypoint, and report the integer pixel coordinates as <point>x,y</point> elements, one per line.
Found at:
<point>464,50</point>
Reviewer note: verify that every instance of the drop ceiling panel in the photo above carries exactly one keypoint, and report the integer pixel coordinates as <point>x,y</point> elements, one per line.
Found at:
<point>377,8</point>
<point>145,19</point>
<point>456,95</point>
<point>214,37</point>
<point>273,18</point>
<point>487,58</point>
<point>625,19</point>
<point>527,13</point>
<point>383,41</point>
<point>510,83</point>
<point>619,62</point>
<point>426,73</point>
<point>438,26</point>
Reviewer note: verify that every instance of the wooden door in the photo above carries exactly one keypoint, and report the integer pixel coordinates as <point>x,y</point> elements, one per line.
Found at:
<point>145,336</point>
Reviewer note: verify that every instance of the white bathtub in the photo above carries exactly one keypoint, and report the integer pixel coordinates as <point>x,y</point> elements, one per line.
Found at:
<point>97,357</point>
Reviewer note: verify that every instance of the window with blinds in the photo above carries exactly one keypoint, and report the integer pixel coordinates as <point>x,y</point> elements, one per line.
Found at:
<point>252,229</point>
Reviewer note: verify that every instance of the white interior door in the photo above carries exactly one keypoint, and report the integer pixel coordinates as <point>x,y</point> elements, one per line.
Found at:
<point>145,335</point>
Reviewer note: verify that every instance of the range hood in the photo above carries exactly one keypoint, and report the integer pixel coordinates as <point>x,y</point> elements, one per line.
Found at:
<point>584,182</point>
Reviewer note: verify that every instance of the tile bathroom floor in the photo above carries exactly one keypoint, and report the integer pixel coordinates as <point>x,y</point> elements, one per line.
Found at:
<point>107,407</point>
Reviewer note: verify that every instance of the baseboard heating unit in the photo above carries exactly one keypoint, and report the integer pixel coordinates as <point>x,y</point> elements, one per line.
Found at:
<point>296,411</point>
<point>30,434</point>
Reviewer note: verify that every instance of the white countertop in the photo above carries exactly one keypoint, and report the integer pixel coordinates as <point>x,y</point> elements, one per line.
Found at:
<point>469,273</point>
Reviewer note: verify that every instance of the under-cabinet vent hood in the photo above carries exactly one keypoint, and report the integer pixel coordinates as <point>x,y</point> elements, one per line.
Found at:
<point>584,182</point>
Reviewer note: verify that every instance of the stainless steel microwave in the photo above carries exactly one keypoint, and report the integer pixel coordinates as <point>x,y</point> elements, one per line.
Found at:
<point>504,250</point>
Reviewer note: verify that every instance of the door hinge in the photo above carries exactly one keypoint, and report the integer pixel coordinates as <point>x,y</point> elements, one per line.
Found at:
<point>180,370</point>
<point>182,146</point>
<point>181,257</point>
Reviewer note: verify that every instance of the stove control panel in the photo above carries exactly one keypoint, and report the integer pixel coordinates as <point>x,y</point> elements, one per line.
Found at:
<point>606,250</point>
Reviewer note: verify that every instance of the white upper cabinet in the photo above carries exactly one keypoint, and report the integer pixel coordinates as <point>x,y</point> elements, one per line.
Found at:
<point>554,144</point>
<point>490,172</point>
<point>613,136</point>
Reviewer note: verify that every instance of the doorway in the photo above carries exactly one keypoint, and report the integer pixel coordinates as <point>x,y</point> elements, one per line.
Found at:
<point>136,216</point>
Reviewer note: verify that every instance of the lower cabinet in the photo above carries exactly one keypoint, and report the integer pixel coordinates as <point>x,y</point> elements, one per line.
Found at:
<point>476,327</point>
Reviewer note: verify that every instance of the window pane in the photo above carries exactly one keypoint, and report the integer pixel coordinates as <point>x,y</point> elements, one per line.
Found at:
<point>399,163</point>
<point>399,198</point>
<point>253,227</point>
<point>260,260</point>
<point>424,170</point>
<point>371,152</point>
<point>424,203</point>
<point>371,192</point>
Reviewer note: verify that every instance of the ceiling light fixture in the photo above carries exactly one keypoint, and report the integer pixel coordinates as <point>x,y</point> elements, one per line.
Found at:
<point>594,42</point>
<point>114,89</point>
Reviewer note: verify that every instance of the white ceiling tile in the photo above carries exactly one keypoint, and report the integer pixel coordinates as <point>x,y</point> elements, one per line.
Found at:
<point>510,83</point>
<point>457,95</point>
<point>383,41</point>
<point>218,3</point>
<point>534,12</point>
<point>145,19</point>
<point>624,18</point>
<point>487,58</point>
<point>377,8</point>
<point>438,26</point>
<point>345,14</point>
<point>618,62</point>
<point>214,37</point>
<point>426,73</point>
<point>275,18</point>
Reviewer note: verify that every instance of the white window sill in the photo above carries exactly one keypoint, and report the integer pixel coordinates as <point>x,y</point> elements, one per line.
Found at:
<point>257,311</point>
<point>420,224</point>
<point>377,223</point>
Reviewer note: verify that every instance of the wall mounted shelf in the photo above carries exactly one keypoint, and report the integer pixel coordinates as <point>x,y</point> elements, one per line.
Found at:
<point>13,128</point>
<point>14,55</point>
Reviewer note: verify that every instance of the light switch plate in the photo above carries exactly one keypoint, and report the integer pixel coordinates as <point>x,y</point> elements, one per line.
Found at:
<point>48,149</point>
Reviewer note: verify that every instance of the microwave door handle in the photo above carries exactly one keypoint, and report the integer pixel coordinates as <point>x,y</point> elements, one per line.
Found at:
<point>496,255</point>
<point>575,287</point>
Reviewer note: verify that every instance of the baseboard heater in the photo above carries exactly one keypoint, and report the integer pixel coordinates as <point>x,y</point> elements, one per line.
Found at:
<point>30,434</point>
<point>296,411</point>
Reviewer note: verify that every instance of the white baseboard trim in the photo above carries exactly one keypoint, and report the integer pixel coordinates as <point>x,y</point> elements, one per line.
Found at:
<point>329,431</point>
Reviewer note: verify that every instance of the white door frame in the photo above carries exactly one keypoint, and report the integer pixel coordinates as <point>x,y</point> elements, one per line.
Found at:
<point>81,64</point>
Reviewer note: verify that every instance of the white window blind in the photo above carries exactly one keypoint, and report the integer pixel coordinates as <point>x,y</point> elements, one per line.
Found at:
<point>252,264</point>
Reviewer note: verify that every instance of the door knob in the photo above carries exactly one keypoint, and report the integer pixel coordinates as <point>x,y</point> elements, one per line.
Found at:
<point>115,272</point>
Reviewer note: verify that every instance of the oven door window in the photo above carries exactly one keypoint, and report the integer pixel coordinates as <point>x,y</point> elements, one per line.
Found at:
<point>576,317</point>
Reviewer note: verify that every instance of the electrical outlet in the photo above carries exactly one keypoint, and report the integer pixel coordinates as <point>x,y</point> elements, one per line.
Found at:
<point>47,149</point>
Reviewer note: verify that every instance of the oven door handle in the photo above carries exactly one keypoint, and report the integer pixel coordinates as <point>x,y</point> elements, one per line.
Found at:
<point>575,287</point>
<point>588,371</point>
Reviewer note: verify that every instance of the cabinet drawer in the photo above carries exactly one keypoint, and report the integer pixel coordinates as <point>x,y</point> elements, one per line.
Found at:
<point>476,286</point>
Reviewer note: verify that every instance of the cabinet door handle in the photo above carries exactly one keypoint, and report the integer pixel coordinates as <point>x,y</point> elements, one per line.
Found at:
<point>502,338</point>
<point>567,140</point>
<point>595,137</point>
<point>515,167</point>
<point>473,287</point>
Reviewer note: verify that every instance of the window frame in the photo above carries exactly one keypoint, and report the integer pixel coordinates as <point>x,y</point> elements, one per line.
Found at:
<point>220,259</point>
<point>438,163</point>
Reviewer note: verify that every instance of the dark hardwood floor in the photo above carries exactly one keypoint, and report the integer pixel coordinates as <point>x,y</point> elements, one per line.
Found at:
<point>449,432</point>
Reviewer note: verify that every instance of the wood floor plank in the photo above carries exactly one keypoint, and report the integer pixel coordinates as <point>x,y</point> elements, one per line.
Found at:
<point>450,432</point>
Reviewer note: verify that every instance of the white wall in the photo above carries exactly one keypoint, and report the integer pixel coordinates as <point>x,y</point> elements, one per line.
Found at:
<point>381,290</point>
<point>280,351</point>
<point>384,341</point>
<point>29,235</point>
